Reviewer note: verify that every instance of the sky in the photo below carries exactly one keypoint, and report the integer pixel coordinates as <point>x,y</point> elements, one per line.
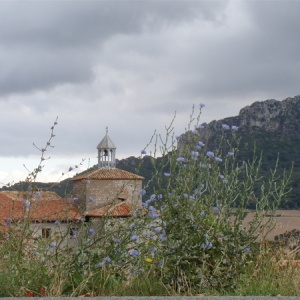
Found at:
<point>130,66</point>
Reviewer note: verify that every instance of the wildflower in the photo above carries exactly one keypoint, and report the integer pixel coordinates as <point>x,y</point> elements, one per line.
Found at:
<point>148,260</point>
<point>142,192</point>
<point>180,159</point>
<point>230,153</point>
<point>247,249</point>
<point>201,105</point>
<point>195,131</point>
<point>210,154</point>
<point>8,220</point>
<point>152,208</point>
<point>135,237</point>
<point>234,127</point>
<point>82,219</point>
<point>201,144</point>
<point>167,174</point>
<point>56,222</point>
<point>75,199</point>
<point>159,196</point>
<point>143,152</point>
<point>194,153</point>
<point>117,240</point>
<point>202,214</point>
<point>207,245</point>
<point>177,137</point>
<point>134,252</point>
<point>70,169</point>
<point>200,126</point>
<point>225,180</point>
<point>218,159</point>
<point>225,126</point>
<point>91,231</point>
<point>154,215</point>
<point>216,209</point>
<point>52,245</point>
<point>108,259</point>
<point>221,176</point>
<point>101,264</point>
<point>92,199</point>
<point>39,194</point>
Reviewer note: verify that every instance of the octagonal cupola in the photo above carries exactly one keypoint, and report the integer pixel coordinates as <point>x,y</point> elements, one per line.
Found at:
<point>106,153</point>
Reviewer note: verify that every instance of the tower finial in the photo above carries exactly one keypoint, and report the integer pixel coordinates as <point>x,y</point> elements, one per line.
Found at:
<point>106,128</point>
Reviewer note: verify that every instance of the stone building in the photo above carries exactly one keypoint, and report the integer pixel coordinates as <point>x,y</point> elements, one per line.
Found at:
<point>49,215</point>
<point>107,190</point>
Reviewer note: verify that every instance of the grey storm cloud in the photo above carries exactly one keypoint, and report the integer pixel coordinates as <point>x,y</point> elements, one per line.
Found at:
<point>46,43</point>
<point>130,65</point>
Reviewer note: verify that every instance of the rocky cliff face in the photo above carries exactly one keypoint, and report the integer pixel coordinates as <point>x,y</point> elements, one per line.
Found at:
<point>272,115</point>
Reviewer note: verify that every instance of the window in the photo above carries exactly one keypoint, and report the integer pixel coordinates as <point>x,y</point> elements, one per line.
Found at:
<point>46,232</point>
<point>73,232</point>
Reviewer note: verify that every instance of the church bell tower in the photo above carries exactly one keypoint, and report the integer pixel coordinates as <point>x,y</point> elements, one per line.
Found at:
<point>106,153</point>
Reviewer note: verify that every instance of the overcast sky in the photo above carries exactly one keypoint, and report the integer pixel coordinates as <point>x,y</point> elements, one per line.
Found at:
<point>130,65</point>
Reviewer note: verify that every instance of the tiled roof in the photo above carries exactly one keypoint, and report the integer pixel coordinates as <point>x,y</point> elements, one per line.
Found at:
<point>21,195</point>
<point>40,210</point>
<point>117,210</point>
<point>108,174</point>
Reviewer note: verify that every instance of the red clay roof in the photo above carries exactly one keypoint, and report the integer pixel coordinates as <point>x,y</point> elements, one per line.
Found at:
<point>40,210</point>
<point>108,174</point>
<point>21,195</point>
<point>118,210</point>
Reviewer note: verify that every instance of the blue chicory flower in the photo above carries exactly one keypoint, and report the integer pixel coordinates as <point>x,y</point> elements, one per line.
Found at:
<point>135,237</point>
<point>107,259</point>
<point>210,154</point>
<point>91,231</point>
<point>134,252</point>
<point>142,192</point>
<point>92,199</point>
<point>225,126</point>
<point>167,174</point>
<point>101,264</point>
<point>207,245</point>
<point>181,159</point>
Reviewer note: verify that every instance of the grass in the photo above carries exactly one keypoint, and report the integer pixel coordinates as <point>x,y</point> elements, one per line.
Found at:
<point>262,277</point>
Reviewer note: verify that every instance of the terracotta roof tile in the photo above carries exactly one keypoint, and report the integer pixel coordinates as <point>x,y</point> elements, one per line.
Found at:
<point>40,209</point>
<point>117,210</point>
<point>108,174</point>
<point>20,195</point>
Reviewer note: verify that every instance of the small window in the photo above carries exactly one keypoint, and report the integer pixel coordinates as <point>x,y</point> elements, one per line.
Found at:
<point>46,232</point>
<point>73,232</point>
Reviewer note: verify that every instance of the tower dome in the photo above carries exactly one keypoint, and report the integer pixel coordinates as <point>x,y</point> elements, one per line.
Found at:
<point>106,153</point>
